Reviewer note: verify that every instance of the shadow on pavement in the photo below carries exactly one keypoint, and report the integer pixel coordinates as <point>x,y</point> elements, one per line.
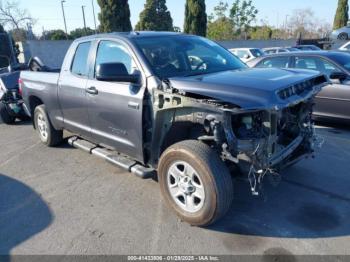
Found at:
<point>312,200</point>
<point>26,122</point>
<point>23,214</point>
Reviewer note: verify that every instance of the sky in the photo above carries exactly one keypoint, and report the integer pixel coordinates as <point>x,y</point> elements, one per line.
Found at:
<point>49,13</point>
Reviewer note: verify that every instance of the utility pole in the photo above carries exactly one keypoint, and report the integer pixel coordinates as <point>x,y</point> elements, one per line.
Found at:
<point>43,34</point>
<point>64,18</point>
<point>286,26</point>
<point>83,9</point>
<point>93,12</point>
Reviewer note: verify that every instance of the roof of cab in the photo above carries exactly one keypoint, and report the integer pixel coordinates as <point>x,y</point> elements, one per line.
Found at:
<point>129,35</point>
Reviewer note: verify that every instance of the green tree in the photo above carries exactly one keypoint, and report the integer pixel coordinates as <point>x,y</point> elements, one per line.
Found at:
<point>57,34</point>
<point>342,15</point>
<point>220,25</point>
<point>195,17</point>
<point>79,32</point>
<point>220,29</point>
<point>260,32</point>
<point>242,14</point>
<point>114,16</point>
<point>155,17</point>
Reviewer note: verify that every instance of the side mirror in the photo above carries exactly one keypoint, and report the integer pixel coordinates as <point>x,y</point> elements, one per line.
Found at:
<point>246,56</point>
<point>4,61</point>
<point>115,72</point>
<point>338,76</point>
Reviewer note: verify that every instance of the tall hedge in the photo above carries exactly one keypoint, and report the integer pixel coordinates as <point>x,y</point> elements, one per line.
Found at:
<point>342,15</point>
<point>155,17</point>
<point>195,17</point>
<point>114,16</point>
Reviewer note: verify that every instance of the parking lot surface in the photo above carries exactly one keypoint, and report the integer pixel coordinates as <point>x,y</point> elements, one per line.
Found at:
<point>64,201</point>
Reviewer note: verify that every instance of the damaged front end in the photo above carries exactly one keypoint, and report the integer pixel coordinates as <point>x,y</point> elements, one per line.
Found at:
<point>265,141</point>
<point>258,140</point>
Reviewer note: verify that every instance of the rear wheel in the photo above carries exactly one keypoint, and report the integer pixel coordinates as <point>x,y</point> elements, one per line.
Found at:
<point>47,133</point>
<point>6,117</point>
<point>195,182</point>
<point>343,36</point>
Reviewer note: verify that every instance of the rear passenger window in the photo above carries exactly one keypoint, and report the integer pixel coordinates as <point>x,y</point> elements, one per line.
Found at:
<point>80,61</point>
<point>278,62</point>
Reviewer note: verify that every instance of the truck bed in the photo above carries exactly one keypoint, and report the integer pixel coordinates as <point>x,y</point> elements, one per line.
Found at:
<point>43,85</point>
<point>38,80</point>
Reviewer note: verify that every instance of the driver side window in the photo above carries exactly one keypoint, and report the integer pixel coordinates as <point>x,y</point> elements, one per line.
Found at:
<point>113,52</point>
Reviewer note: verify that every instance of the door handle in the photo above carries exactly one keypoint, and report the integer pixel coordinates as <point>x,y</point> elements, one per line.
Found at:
<point>91,90</point>
<point>134,105</point>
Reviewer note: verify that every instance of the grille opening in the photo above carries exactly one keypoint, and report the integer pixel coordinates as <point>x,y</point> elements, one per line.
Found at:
<point>301,88</point>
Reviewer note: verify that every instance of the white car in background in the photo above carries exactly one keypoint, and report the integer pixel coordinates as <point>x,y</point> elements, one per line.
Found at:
<point>278,50</point>
<point>247,54</point>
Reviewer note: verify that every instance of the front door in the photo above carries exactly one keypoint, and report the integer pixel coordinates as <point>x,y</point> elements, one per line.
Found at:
<point>72,93</point>
<point>115,109</point>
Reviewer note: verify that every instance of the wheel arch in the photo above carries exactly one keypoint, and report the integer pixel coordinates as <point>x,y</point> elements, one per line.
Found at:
<point>34,101</point>
<point>175,125</point>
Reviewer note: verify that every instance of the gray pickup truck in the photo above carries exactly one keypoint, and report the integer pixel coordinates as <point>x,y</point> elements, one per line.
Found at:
<point>178,107</point>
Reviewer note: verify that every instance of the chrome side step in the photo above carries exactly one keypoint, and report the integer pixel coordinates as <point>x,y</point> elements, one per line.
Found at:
<point>113,157</point>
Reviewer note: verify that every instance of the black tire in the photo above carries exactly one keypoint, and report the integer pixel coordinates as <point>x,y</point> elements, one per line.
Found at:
<point>53,137</point>
<point>343,36</point>
<point>215,177</point>
<point>5,115</point>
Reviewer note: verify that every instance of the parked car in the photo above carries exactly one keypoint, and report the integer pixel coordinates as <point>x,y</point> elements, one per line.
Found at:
<point>334,100</point>
<point>307,48</point>
<point>140,101</point>
<point>341,33</point>
<point>247,54</point>
<point>277,50</point>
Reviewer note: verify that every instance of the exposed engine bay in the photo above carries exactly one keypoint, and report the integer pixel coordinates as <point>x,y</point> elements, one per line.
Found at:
<point>268,141</point>
<point>257,141</point>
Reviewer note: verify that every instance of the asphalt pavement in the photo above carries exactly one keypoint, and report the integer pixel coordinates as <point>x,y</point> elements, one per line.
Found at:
<point>64,201</point>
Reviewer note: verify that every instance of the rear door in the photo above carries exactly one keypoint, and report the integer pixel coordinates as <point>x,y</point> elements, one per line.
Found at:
<point>115,110</point>
<point>333,100</point>
<point>72,93</point>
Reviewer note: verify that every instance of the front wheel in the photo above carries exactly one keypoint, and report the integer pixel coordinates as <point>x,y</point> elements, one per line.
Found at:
<point>47,133</point>
<point>6,117</point>
<point>195,182</point>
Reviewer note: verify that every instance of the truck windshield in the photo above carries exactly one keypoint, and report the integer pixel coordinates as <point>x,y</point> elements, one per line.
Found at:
<point>173,56</point>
